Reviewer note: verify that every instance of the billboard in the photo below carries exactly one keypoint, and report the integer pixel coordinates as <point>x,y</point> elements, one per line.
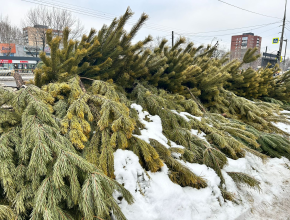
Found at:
<point>18,61</point>
<point>47,49</point>
<point>7,48</point>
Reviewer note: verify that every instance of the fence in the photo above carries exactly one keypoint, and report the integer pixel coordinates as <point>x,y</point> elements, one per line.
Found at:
<point>20,71</point>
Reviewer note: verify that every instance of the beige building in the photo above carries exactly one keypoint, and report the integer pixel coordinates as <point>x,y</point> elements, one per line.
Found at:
<point>36,36</point>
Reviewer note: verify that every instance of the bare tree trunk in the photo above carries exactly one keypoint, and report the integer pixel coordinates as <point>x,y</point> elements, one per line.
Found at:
<point>36,48</point>
<point>43,44</point>
<point>18,79</point>
<point>30,51</point>
<point>9,50</point>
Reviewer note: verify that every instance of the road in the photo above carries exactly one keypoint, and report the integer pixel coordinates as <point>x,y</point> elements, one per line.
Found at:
<point>9,80</point>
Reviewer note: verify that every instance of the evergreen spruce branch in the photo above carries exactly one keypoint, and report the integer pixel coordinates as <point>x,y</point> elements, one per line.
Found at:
<point>7,167</point>
<point>105,88</point>
<point>216,160</point>
<point>228,195</point>
<point>148,156</point>
<point>177,150</point>
<point>6,212</point>
<point>94,199</point>
<point>242,178</point>
<point>6,95</point>
<point>37,116</point>
<point>201,107</point>
<point>57,90</point>
<point>263,156</point>
<point>179,173</point>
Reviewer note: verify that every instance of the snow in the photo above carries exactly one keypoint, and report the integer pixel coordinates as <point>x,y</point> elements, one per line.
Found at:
<point>185,114</point>
<point>285,111</point>
<point>153,128</point>
<point>200,134</point>
<point>158,198</point>
<point>283,127</point>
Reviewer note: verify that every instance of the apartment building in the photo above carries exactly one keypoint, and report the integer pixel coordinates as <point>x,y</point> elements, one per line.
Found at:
<point>36,36</point>
<point>241,43</point>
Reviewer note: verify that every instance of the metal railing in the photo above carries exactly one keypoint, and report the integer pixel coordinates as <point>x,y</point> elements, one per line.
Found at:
<point>24,71</point>
<point>6,73</point>
<point>20,71</point>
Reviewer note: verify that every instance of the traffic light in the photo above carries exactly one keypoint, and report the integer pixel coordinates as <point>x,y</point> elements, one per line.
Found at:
<point>278,55</point>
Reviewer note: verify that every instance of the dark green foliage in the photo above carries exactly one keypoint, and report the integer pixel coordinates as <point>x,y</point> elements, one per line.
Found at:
<point>274,145</point>
<point>271,144</point>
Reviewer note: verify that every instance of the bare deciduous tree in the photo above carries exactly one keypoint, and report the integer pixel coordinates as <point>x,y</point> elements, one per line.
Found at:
<point>38,20</point>
<point>9,34</point>
<point>41,18</point>
<point>62,18</point>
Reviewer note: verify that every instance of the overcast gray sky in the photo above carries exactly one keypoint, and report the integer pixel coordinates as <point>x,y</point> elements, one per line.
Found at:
<point>186,17</point>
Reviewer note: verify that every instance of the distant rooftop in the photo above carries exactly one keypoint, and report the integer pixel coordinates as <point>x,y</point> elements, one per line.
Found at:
<point>41,26</point>
<point>248,34</point>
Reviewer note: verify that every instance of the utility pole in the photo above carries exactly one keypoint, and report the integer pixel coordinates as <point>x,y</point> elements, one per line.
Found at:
<point>282,34</point>
<point>172,38</point>
<point>285,55</point>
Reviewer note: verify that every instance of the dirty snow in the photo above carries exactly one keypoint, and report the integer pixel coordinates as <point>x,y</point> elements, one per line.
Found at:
<point>157,198</point>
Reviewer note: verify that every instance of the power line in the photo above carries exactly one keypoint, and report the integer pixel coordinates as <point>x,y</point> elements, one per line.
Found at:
<point>107,16</point>
<point>227,41</point>
<point>91,13</point>
<point>223,34</point>
<point>269,29</point>
<point>260,26</point>
<point>268,35</point>
<point>249,10</point>
<point>288,25</point>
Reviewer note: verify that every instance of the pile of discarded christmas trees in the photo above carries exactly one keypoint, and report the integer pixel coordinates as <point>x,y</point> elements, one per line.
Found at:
<point>59,132</point>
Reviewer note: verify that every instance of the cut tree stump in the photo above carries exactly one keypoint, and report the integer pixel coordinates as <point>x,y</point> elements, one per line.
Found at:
<point>18,79</point>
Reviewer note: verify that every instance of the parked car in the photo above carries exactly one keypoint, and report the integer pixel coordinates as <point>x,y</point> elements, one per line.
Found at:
<point>4,71</point>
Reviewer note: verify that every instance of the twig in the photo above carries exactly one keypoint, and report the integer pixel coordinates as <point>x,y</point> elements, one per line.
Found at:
<point>200,106</point>
<point>82,86</point>
<point>87,78</point>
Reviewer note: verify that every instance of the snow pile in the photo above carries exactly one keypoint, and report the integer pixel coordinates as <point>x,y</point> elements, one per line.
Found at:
<point>282,126</point>
<point>156,197</point>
